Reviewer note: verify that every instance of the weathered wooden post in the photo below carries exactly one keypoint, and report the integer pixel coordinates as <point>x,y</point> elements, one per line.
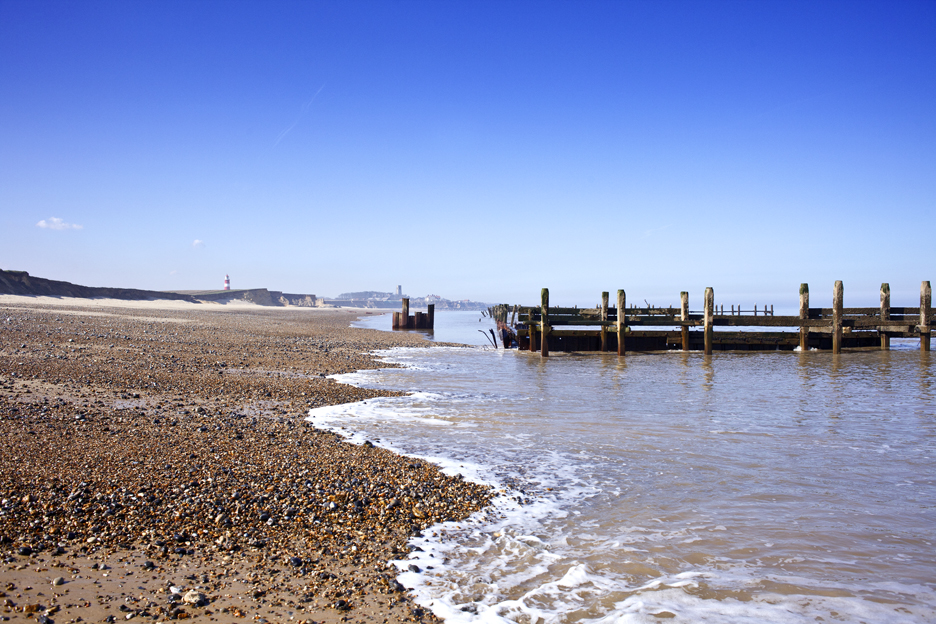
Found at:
<point>709,318</point>
<point>404,315</point>
<point>621,321</point>
<point>430,315</point>
<point>544,303</point>
<point>926,304</point>
<point>420,320</point>
<point>684,316</point>
<point>885,314</point>
<point>604,319</point>
<point>396,320</point>
<point>804,316</point>
<point>837,299</point>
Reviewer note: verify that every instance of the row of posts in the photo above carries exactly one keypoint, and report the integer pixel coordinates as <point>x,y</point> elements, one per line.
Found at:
<point>838,296</point>
<point>708,318</point>
<point>419,320</point>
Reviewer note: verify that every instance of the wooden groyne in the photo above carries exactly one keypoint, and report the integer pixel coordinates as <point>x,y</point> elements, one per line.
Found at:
<point>546,328</point>
<point>418,320</point>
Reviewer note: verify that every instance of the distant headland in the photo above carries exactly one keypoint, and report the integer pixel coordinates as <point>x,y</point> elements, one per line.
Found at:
<point>22,283</point>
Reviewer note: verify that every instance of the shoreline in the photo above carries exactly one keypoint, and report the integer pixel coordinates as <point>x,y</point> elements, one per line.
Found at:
<point>169,445</point>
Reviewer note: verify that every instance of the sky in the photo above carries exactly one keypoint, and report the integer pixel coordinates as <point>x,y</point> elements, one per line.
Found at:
<point>478,150</point>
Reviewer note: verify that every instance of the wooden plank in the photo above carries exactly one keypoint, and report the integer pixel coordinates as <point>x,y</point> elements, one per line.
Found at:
<point>743,321</point>
<point>904,334</point>
<point>846,312</point>
<point>594,333</point>
<point>874,323</point>
<point>571,311</point>
<point>760,321</point>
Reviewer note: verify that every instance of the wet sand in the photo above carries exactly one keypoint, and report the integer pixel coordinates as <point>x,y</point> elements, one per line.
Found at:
<point>155,463</point>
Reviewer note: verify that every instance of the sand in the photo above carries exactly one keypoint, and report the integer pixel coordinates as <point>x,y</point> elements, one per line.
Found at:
<point>155,463</point>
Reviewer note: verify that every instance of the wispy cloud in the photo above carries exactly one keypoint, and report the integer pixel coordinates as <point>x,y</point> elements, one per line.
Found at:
<point>302,112</point>
<point>198,243</point>
<point>655,231</point>
<point>54,223</point>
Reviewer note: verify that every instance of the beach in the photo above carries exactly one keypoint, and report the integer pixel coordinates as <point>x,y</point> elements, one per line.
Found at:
<point>156,462</point>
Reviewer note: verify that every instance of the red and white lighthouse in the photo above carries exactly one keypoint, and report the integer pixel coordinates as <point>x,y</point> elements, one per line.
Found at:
<point>227,282</point>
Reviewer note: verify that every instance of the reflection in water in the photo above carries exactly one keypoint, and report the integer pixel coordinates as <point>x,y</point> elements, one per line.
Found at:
<point>730,488</point>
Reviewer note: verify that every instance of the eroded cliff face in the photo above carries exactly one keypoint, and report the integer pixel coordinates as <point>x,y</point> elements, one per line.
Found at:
<point>22,283</point>
<point>300,301</point>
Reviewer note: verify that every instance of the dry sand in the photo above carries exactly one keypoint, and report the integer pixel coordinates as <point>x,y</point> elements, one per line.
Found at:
<point>155,463</point>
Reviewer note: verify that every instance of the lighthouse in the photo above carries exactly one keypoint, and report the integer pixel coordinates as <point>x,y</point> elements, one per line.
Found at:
<point>227,282</point>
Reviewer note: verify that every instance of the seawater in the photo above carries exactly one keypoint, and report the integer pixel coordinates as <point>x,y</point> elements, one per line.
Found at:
<point>738,487</point>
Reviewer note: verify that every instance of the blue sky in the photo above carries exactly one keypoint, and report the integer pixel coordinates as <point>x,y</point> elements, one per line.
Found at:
<point>471,149</point>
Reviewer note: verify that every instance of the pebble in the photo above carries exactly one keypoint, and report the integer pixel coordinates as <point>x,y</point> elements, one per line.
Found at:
<point>193,597</point>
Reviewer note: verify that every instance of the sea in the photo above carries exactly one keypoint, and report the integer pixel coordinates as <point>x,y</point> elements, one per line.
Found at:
<point>666,487</point>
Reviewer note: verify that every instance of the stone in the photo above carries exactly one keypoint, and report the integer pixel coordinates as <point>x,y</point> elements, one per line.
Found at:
<point>193,597</point>
<point>58,580</point>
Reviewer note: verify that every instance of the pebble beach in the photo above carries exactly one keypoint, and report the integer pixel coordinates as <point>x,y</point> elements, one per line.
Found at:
<point>156,464</point>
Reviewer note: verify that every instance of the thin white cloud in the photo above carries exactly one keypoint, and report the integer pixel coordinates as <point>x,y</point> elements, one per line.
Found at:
<point>302,112</point>
<point>54,223</point>
<point>655,231</point>
<point>198,243</point>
